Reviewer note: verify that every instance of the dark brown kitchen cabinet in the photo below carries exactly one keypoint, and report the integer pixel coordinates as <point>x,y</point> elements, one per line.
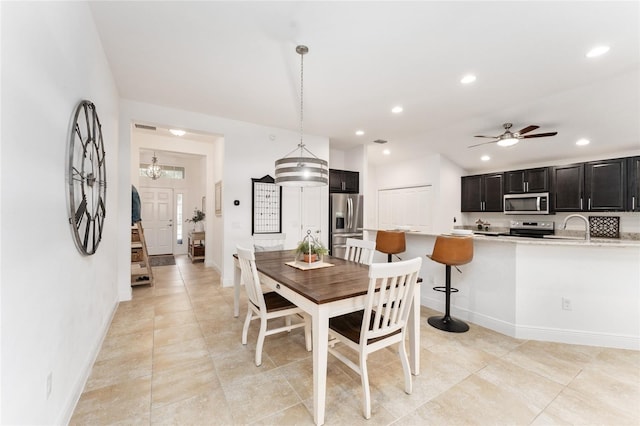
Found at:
<point>482,193</point>
<point>605,185</point>
<point>568,184</point>
<point>531,180</point>
<point>344,181</point>
<point>633,184</point>
<point>593,186</point>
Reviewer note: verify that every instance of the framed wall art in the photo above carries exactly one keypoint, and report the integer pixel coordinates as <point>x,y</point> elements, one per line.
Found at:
<point>266,206</point>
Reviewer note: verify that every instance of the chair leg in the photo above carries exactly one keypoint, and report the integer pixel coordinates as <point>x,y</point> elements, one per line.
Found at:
<point>245,327</point>
<point>287,322</point>
<point>364,375</point>
<point>261,336</point>
<point>408,385</point>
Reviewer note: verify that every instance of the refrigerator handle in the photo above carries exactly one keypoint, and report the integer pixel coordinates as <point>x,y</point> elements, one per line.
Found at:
<point>351,224</point>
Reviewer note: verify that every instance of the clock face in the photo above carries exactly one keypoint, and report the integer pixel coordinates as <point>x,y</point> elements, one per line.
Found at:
<point>87,179</point>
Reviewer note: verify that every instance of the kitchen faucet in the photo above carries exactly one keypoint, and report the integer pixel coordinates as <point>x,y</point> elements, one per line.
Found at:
<point>587,235</point>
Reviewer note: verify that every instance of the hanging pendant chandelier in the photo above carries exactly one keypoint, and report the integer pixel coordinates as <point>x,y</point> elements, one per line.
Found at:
<point>154,171</point>
<point>305,169</point>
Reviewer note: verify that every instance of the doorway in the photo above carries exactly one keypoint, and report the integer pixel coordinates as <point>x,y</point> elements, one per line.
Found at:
<point>157,219</point>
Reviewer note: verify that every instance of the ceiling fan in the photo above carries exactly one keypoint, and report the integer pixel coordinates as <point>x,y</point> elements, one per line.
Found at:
<point>508,138</point>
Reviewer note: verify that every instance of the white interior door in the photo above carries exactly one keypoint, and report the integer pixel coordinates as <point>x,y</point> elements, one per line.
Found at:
<point>157,219</point>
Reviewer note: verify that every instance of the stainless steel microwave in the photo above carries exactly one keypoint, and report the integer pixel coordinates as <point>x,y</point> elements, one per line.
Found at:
<point>534,203</point>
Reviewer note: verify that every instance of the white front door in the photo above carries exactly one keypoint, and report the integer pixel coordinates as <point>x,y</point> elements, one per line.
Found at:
<point>157,219</point>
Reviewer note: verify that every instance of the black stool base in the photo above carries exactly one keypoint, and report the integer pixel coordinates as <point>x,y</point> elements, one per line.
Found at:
<point>449,324</point>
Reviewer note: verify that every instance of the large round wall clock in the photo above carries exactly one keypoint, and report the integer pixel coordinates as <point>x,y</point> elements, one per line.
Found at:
<point>87,178</point>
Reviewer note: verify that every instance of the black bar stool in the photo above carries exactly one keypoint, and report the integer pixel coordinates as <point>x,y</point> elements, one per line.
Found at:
<point>450,251</point>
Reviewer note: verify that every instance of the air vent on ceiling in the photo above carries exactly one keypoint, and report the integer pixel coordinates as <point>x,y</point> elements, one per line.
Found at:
<point>144,126</point>
<point>380,141</point>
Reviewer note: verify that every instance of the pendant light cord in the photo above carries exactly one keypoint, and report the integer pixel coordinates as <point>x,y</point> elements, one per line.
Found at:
<point>301,102</point>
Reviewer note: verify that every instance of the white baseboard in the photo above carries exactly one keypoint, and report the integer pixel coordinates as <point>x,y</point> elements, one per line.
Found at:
<point>525,332</point>
<point>578,337</point>
<point>78,387</point>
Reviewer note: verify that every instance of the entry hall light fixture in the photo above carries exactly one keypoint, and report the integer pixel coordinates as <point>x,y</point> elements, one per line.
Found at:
<point>306,169</point>
<point>154,171</point>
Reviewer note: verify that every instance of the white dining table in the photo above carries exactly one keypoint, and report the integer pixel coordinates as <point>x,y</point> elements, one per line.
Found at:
<point>324,293</point>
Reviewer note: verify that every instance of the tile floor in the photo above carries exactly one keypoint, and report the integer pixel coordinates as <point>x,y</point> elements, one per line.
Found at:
<point>173,356</point>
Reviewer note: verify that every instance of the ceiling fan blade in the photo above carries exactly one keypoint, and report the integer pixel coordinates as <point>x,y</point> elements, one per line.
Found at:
<point>540,135</point>
<point>528,129</point>
<point>482,143</point>
<point>491,137</point>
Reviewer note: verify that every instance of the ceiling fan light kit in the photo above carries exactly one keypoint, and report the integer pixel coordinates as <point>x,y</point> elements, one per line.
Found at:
<point>509,138</point>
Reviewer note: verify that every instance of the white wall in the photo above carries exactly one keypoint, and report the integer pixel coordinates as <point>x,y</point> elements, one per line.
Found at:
<point>56,304</point>
<point>249,152</point>
<point>435,170</point>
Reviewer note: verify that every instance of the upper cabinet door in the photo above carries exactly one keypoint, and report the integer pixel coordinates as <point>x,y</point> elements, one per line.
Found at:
<point>605,185</point>
<point>633,184</point>
<point>514,182</point>
<point>569,188</point>
<point>537,180</point>
<point>471,194</point>
<point>493,195</point>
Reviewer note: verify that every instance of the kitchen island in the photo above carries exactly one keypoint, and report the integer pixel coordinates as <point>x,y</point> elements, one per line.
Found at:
<point>561,290</point>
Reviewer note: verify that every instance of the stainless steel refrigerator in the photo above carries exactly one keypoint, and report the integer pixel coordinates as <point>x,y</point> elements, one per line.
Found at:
<point>345,221</point>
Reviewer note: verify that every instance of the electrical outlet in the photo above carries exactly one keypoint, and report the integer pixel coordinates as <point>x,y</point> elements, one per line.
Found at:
<point>49,384</point>
<point>566,304</point>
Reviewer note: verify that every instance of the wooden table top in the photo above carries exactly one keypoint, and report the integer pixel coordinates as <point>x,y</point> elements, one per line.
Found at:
<point>344,280</point>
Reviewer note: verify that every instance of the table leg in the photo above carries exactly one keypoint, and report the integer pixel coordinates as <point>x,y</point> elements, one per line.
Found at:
<point>237,273</point>
<point>414,333</point>
<point>320,331</point>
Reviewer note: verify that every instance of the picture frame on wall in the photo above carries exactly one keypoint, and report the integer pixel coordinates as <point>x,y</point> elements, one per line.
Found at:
<point>266,206</point>
<point>218,198</point>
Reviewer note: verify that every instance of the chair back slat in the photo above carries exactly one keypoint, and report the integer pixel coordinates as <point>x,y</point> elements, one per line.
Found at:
<point>360,251</point>
<point>250,278</point>
<point>395,284</point>
<point>269,242</point>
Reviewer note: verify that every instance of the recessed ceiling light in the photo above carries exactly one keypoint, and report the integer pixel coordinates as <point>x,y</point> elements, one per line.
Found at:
<point>597,51</point>
<point>386,152</point>
<point>177,132</point>
<point>359,132</point>
<point>485,158</point>
<point>469,78</point>
<point>397,109</point>
<point>582,142</point>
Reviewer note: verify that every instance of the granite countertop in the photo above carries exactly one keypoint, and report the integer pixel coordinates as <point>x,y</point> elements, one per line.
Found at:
<point>566,238</point>
<point>558,240</point>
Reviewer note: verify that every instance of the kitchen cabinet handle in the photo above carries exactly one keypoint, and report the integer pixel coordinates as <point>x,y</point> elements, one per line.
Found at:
<point>633,203</point>
<point>580,203</point>
<point>589,203</point>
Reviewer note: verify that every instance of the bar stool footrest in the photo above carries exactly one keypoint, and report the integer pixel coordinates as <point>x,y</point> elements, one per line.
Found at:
<point>444,289</point>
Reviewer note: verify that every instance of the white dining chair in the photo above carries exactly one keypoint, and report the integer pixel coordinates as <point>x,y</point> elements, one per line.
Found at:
<point>381,324</point>
<point>269,242</point>
<point>267,306</point>
<point>360,251</point>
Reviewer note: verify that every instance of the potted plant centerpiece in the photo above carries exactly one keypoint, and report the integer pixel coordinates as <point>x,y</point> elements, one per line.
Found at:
<point>196,219</point>
<point>310,249</point>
